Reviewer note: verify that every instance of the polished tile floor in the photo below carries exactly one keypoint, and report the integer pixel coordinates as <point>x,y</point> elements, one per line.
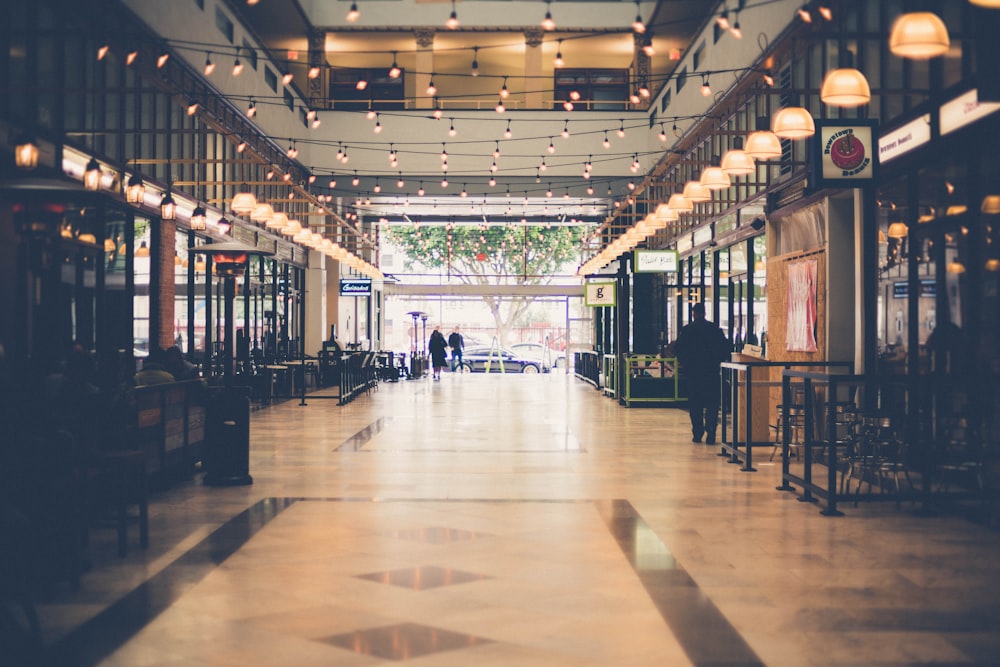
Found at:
<point>520,520</point>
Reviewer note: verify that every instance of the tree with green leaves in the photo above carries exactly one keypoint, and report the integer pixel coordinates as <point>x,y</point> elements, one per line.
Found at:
<point>513,254</point>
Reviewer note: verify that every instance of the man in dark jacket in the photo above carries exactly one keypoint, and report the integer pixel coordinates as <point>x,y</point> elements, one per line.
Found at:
<point>700,348</point>
<point>456,343</point>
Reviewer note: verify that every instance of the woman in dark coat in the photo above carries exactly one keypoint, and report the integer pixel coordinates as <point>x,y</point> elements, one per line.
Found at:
<point>438,348</point>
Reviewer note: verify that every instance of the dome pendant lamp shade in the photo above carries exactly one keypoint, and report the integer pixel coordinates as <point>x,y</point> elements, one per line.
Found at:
<point>244,203</point>
<point>679,203</point>
<point>989,4</point>
<point>263,213</point>
<point>665,214</point>
<point>762,144</point>
<point>714,178</point>
<point>919,36</point>
<point>278,221</point>
<point>897,230</point>
<point>736,162</point>
<point>793,122</point>
<point>845,87</point>
<point>696,192</point>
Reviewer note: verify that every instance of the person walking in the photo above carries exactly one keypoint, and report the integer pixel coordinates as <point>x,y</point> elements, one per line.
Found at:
<point>457,344</point>
<point>701,347</point>
<point>438,348</point>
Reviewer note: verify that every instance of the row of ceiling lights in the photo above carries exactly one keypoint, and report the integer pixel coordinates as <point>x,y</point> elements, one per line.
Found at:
<point>915,35</point>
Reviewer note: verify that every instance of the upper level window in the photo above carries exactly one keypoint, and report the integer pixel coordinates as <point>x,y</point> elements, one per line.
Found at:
<point>381,90</point>
<point>251,53</point>
<point>271,79</point>
<point>224,24</point>
<point>597,89</point>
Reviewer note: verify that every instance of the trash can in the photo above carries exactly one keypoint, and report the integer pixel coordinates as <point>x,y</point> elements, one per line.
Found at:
<point>227,437</point>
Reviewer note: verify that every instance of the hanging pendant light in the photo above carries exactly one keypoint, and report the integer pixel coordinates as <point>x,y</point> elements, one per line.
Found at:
<point>793,122</point>
<point>714,178</point>
<point>679,203</point>
<point>665,214</point>
<point>263,213</point>
<point>989,4</point>
<point>696,191</point>
<point>845,87</point>
<point>736,162</point>
<point>199,221</point>
<point>292,228</point>
<point>92,176</point>
<point>278,221</point>
<point>168,208</point>
<point>897,230</point>
<point>26,155</point>
<point>763,144</point>
<point>244,202</point>
<point>918,36</point>
<point>353,14</point>
<point>135,191</point>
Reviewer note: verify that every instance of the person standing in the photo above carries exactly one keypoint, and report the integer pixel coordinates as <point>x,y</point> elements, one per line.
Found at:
<point>456,343</point>
<point>700,348</point>
<point>438,348</point>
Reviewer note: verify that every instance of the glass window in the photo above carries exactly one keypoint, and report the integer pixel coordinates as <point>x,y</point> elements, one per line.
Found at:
<point>224,24</point>
<point>140,301</point>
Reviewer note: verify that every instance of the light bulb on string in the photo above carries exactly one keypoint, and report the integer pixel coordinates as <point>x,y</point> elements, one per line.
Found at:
<point>394,70</point>
<point>451,130</point>
<point>559,62</point>
<point>474,71</point>
<point>638,26</point>
<point>452,22</point>
<point>565,130</point>
<point>353,14</point>
<point>237,65</point>
<point>504,93</point>
<point>621,129</point>
<point>552,146</point>
<point>607,142</point>
<point>209,65</point>
<point>548,23</point>
<point>507,134</point>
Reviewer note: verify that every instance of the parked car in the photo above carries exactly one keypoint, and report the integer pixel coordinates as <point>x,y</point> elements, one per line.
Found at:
<point>554,358</point>
<point>476,359</point>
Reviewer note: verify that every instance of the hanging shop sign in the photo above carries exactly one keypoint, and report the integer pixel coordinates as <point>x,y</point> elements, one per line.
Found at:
<point>603,294</point>
<point>844,153</point>
<point>964,109</point>
<point>904,139</point>
<point>655,261</point>
<point>355,287</point>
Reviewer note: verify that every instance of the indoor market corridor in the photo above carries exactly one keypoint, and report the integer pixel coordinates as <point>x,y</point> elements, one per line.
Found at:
<point>520,520</point>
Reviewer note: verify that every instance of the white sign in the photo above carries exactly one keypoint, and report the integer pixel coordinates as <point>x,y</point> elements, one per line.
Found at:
<point>601,294</point>
<point>963,110</point>
<point>904,139</point>
<point>684,243</point>
<point>655,261</point>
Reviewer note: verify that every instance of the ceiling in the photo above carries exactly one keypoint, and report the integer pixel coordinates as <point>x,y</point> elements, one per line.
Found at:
<point>589,34</point>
